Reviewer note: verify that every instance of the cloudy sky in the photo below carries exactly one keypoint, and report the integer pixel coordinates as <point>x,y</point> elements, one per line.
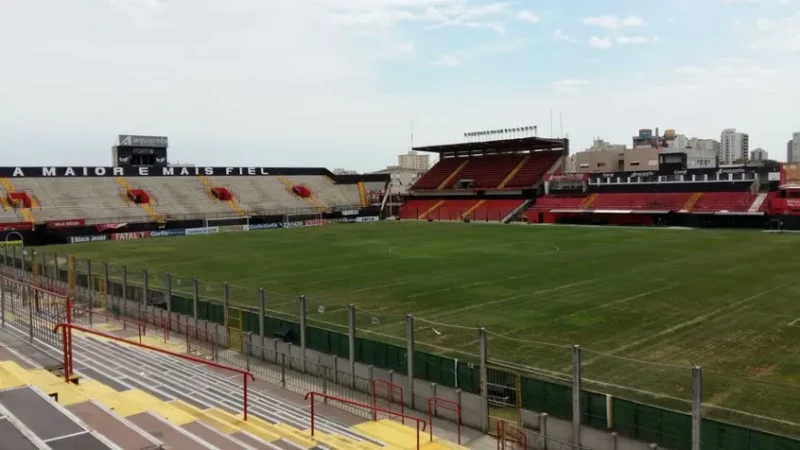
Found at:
<point>337,83</point>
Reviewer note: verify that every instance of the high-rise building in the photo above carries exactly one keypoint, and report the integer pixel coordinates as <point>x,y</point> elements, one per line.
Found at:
<point>759,154</point>
<point>793,148</point>
<point>413,161</point>
<point>734,147</point>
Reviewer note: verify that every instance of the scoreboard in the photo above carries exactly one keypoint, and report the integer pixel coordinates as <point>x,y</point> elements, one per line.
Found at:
<point>137,151</point>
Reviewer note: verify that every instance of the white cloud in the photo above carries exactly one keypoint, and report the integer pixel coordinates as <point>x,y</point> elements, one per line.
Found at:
<point>601,43</point>
<point>435,13</point>
<point>405,48</point>
<point>448,61</point>
<point>614,22</point>
<point>559,35</point>
<point>691,70</point>
<point>777,34</point>
<point>570,83</point>
<point>528,16</point>
<point>634,40</point>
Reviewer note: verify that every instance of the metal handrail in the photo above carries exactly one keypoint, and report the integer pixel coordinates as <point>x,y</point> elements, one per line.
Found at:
<point>68,327</point>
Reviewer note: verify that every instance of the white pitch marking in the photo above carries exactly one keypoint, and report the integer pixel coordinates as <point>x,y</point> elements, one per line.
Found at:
<point>623,300</point>
<point>694,321</point>
<point>380,287</point>
<point>794,322</point>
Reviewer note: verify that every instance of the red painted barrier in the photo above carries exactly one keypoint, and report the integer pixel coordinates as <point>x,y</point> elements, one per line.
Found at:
<point>313,395</point>
<point>67,329</point>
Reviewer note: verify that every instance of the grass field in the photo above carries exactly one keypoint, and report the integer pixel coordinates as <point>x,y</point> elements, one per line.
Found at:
<point>645,304</point>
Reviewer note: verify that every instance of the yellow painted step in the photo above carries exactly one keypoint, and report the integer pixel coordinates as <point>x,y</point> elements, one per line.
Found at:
<point>338,441</point>
<point>129,403</point>
<point>412,432</point>
<point>389,435</point>
<point>174,415</point>
<point>8,380</point>
<point>201,415</point>
<point>251,426</point>
<point>282,430</point>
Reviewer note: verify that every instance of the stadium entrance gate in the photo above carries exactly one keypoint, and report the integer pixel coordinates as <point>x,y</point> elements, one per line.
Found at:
<point>235,326</point>
<point>505,395</point>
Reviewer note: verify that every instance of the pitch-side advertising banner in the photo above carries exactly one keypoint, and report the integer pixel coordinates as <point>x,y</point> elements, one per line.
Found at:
<point>206,230</point>
<point>95,238</point>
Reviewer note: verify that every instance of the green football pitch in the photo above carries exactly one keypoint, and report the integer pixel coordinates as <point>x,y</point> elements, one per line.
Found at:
<point>645,305</point>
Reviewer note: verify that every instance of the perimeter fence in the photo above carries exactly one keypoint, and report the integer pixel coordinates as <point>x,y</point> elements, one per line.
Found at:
<point>520,380</point>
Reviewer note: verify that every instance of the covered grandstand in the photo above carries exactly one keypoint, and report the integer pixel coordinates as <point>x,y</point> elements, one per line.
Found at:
<point>489,181</point>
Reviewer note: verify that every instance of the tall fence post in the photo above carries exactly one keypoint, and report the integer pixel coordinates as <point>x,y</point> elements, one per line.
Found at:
<point>5,256</point>
<point>26,301</point>
<point>124,290</point>
<point>89,281</point>
<point>168,294</point>
<point>56,270</point>
<point>484,352</point>
<point>2,301</point>
<point>351,340</point>
<point>303,325</point>
<point>226,303</point>
<point>410,359</point>
<point>106,284</point>
<point>195,298</point>
<point>14,257</point>
<point>576,395</point>
<point>145,296</point>
<point>697,406</point>
<point>262,306</point>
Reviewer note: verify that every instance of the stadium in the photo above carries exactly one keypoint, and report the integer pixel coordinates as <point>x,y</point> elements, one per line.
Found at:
<point>505,302</point>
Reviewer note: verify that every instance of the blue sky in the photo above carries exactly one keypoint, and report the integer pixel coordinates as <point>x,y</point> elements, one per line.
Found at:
<point>338,82</point>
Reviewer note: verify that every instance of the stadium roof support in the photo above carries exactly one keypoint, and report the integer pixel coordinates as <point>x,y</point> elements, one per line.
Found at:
<point>498,146</point>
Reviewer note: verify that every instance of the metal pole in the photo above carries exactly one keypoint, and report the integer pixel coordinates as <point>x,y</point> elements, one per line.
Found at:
<point>303,316</point>
<point>30,311</point>
<point>195,297</point>
<point>576,395</point>
<point>410,359</point>
<point>168,293</point>
<point>2,302</point>
<point>56,270</point>
<point>124,290</point>
<point>484,352</point>
<point>145,296</point>
<point>262,306</point>
<point>226,301</point>
<point>89,284</point>
<point>351,340</point>
<point>105,282</point>
<point>5,256</point>
<point>697,406</point>
<point>14,257</point>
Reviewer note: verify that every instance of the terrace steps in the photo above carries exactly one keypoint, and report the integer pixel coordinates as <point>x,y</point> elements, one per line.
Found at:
<point>449,180</point>
<point>692,201</point>
<point>588,201</point>
<point>514,172</point>
<point>431,209</point>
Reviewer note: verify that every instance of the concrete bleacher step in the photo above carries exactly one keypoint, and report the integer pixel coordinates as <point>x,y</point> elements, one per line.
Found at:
<point>47,424</point>
<point>119,430</point>
<point>173,437</point>
<point>402,436</point>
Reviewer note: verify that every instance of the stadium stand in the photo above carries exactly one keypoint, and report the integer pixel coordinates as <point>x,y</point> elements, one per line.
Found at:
<point>439,173</point>
<point>183,196</point>
<point>97,199</point>
<point>533,169</point>
<point>327,191</point>
<point>149,395</point>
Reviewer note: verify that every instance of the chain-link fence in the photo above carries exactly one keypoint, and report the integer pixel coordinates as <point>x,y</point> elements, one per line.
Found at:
<point>643,400</point>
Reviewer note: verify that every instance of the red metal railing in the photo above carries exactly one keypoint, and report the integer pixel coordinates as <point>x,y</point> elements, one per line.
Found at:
<point>67,330</point>
<point>446,404</point>
<point>508,433</point>
<point>330,398</point>
<point>391,390</point>
<point>140,326</point>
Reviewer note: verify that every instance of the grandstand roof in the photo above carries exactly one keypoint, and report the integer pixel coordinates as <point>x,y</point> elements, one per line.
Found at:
<point>505,145</point>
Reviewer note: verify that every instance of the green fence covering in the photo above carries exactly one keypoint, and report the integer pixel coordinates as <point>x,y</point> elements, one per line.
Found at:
<point>650,424</point>
<point>543,396</point>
